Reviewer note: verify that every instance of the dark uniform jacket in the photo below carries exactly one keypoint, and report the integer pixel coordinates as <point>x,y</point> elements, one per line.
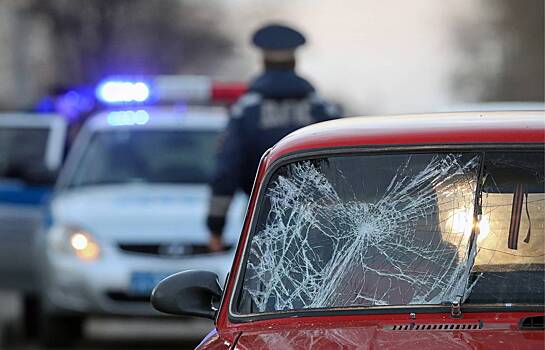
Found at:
<point>277,103</point>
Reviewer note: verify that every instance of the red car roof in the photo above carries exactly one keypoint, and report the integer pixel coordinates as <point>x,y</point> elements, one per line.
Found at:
<point>439,128</point>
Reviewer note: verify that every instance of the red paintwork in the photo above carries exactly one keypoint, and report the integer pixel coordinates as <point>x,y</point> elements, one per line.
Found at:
<point>227,92</point>
<point>483,127</point>
<point>372,337</point>
<point>366,331</point>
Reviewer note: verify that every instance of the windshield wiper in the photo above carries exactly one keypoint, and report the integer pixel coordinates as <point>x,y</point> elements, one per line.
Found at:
<point>472,247</point>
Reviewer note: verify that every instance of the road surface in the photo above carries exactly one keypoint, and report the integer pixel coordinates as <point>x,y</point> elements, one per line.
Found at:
<point>104,333</point>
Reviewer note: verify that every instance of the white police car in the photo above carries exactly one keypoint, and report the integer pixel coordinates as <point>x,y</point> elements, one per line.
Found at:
<point>129,209</point>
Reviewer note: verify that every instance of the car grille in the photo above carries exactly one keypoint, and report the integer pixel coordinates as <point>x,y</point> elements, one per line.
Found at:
<point>434,326</point>
<point>165,250</point>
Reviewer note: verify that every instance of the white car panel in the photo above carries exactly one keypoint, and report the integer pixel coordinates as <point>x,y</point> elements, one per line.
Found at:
<point>144,230</point>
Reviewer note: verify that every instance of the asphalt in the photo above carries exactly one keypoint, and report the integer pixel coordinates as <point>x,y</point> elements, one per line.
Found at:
<point>108,333</point>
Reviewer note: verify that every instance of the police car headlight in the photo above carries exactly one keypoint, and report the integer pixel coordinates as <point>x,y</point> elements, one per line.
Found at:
<point>75,241</point>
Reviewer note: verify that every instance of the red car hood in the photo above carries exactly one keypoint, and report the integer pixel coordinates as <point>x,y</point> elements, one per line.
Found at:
<point>473,331</point>
<point>379,338</point>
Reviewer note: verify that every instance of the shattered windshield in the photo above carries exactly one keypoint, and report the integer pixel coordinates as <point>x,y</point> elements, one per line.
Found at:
<point>371,230</point>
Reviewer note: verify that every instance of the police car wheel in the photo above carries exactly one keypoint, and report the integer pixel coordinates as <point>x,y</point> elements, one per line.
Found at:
<point>60,331</point>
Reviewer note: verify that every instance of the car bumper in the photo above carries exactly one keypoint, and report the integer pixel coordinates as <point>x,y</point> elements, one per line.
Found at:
<point>103,287</point>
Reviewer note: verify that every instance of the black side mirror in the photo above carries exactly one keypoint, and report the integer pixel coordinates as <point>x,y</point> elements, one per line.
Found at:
<point>189,293</point>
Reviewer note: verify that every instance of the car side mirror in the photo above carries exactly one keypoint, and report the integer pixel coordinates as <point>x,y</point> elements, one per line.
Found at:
<point>188,293</point>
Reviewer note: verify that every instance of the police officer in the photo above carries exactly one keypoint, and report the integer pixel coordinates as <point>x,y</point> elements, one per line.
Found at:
<point>277,103</point>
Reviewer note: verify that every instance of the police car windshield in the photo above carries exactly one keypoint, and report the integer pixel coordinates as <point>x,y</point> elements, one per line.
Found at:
<point>146,156</point>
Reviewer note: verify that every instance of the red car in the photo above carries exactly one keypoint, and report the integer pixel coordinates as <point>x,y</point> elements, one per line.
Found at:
<point>409,232</point>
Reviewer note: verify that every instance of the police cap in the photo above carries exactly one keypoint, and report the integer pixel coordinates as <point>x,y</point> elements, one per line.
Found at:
<point>277,37</point>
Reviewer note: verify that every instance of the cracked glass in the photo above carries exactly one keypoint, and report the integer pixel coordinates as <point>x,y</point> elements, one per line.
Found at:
<point>510,256</point>
<point>368,230</point>
<point>394,230</point>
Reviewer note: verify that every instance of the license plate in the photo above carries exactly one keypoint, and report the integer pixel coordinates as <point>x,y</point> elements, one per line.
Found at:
<point>142,283</point>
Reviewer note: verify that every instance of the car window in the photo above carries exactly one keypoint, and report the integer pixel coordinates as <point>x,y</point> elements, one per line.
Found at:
<point>509,265</point>
<point>22,148</point>
<point>148,156</point>
<point>361,231</point>
<point>387,229</point>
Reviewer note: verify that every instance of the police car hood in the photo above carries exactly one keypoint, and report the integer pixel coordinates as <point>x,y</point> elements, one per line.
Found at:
<point>145,212</point>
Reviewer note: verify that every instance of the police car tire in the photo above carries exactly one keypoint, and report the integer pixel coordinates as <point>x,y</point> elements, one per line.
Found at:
<point>60,331</point>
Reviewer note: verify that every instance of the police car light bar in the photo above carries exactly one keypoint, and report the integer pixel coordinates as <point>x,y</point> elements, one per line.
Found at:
<point>122,118</point>
<point>227,92</point>
<point>169,89</point>
<point>195,89</point>
<point>112,92</point>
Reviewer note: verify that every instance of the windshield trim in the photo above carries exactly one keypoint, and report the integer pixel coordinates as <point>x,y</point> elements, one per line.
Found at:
<point>292,157</point>
<point>472,244</point>
<point>388,310</point>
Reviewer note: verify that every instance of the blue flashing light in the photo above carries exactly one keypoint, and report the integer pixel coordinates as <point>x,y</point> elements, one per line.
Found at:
<point>123,118</point>
<point>73,103</point>
<point>117,92</point>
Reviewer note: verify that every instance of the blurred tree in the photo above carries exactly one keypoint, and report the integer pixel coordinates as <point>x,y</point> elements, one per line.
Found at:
<point>96,38</point>
<point>504,59</point>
